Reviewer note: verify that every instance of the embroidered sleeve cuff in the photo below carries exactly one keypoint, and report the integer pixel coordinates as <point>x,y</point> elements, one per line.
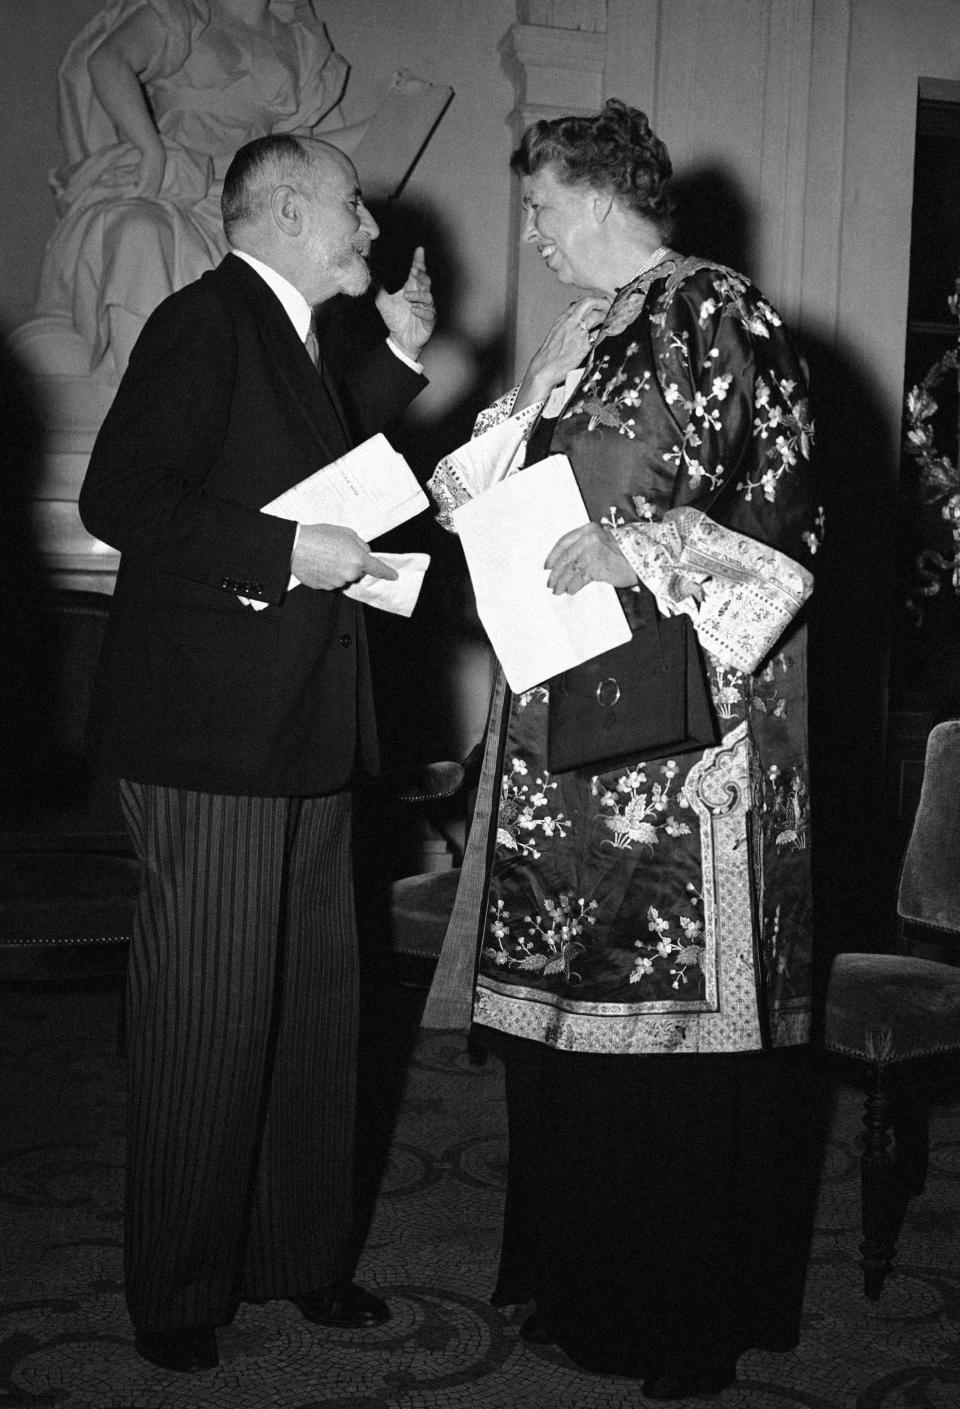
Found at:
<point>497,411</point>
<point>740,594</point>
<point>451,484</point>
<point>447,492</point>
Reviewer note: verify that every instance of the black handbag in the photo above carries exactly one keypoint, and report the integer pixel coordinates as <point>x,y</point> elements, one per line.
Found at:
<point>648,697</point>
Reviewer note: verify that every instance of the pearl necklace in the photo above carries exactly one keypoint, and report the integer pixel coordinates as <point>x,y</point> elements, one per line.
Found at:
<point>611,324</point>
<point>659,253</point>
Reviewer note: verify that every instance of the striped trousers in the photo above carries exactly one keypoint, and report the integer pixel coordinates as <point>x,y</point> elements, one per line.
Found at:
<point>242,997</point>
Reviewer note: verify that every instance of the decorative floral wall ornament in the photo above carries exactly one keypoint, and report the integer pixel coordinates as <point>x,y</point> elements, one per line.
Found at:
<point>939,476</point>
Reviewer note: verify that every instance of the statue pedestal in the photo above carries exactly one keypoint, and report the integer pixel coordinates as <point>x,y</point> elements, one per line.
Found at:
<point>73,403</point>
<point>73,408</point>
<point>70,556</point>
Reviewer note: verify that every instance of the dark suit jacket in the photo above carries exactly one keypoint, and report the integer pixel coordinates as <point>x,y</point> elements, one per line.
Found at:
<point>221,410</point>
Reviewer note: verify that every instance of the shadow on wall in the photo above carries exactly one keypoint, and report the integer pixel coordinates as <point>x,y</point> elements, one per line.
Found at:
<point>428,672</point>
<point>26,689</point>
<point>852,626</point>
<point>852,611</point>
<point>417,663</point>
<point>712,217</point>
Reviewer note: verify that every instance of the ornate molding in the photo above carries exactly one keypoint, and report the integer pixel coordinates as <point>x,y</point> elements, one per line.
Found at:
<point>565,14</point>
<point>555,71</point>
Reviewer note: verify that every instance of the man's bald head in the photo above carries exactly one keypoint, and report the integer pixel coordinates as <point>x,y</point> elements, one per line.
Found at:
<point>295,204</point>
<point>266,163</point>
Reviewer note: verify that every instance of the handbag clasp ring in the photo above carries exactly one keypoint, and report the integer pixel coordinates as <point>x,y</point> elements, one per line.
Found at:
<point>608,692</point>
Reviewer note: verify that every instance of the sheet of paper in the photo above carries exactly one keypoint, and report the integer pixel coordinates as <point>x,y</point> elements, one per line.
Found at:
<point>371,489</point>
<point>506,535</point>
<point>399,596</point>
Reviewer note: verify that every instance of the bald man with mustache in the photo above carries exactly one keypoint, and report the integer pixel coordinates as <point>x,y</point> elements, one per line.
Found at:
<point>236,734</point>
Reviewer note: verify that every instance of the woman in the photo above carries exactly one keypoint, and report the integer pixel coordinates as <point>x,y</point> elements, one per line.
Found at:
<point>155,98</point>
<point>644,919</point>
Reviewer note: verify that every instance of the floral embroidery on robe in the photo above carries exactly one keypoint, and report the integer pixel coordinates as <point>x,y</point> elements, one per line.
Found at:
<point>664,904</point>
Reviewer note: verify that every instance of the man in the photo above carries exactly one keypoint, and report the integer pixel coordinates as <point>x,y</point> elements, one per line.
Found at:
<point>235,733</point>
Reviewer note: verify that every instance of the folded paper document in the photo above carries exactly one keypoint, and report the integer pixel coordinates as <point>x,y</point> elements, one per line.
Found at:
<point>398,595</point>
<point>506,534</point>
<point>371,489</point>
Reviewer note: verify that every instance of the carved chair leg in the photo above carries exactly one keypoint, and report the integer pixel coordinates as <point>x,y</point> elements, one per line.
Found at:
<point>876,1252</point>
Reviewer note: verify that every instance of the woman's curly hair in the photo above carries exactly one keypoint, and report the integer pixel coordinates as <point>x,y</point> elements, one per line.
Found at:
<point>615,151</point>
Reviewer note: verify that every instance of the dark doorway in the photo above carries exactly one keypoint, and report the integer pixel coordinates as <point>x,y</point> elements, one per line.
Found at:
<point>925,675</point>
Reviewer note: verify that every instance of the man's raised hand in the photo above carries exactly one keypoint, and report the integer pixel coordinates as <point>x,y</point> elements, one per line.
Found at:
<point>410,313</point>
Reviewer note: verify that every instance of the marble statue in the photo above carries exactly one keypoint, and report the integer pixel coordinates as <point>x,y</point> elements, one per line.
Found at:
<point>155,97</point>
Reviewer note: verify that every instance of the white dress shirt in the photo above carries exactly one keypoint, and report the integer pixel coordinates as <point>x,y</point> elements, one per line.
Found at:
<point>297,308</point>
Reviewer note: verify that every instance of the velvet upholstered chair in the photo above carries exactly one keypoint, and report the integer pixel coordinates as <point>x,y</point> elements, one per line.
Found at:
<point>67,873</point>
<point>419,905</point>
<point>893,1020</point>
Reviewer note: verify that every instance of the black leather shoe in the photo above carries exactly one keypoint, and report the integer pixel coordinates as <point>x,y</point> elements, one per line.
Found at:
<point>343,1306</point>
<point>535,1330</point>
<point>666,1387</point>
<point>186,1351</point>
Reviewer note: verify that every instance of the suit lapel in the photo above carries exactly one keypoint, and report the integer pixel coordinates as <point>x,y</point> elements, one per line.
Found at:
<point>327,384</point>
<point>313,394</point>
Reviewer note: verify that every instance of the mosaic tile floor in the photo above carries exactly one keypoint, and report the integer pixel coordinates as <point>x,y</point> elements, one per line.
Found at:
<point>431,1248</point>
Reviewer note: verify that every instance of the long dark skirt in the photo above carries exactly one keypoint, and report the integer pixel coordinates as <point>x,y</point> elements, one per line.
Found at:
<point>659,1209</point>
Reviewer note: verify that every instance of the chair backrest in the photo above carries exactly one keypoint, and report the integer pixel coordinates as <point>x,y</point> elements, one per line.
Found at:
<point>929,892</point>
<point>49,789</point>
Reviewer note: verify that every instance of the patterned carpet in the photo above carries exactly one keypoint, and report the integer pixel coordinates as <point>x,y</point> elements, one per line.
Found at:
<point>433,1166</point>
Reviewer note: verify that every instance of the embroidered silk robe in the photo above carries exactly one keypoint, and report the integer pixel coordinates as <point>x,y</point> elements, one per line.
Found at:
<point>665,904</point>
